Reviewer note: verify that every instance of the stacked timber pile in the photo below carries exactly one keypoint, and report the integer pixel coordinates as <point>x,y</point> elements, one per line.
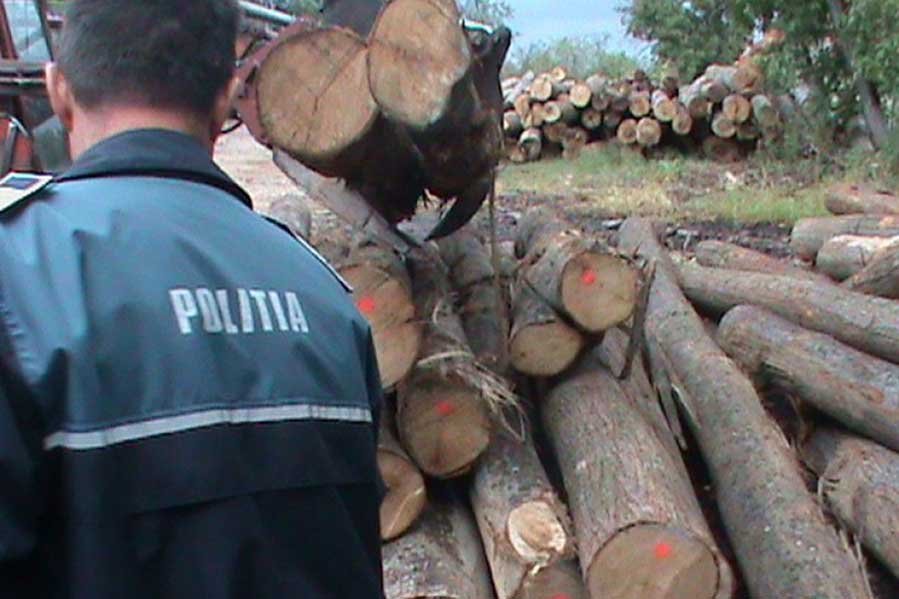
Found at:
<point>578,487</point>
<point>724,113</point>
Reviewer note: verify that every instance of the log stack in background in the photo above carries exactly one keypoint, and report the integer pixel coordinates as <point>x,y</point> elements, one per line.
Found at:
<point>724,111</point>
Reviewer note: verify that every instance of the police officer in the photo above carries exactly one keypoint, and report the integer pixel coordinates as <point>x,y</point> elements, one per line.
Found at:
<point>188,398</point>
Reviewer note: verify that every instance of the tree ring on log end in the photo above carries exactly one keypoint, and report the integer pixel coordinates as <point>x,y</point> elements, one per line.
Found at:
<point>599,290</point>
<point>545,349</point>
<point>536,533</point>
<point>406,495</point>
<point>314,99</point>
<point>652,561</point>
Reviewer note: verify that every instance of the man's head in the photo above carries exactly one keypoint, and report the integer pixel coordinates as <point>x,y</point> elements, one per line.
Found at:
<point>154,63</point>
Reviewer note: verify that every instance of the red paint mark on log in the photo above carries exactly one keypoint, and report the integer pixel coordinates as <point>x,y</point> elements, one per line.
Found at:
<point>445,408</point>
<point>366,305</point>
<point>588,278</point>
<point>663,550</point>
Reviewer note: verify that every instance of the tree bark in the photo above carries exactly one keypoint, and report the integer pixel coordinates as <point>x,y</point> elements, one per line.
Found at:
<point>860,483</point>
<point>441,415</point>
<point>867,323</point>
<point>770,516</point>
<point>561,580</point>
<point>881,276</point>
<point>844,256</point>
<point>523,524</point>
<point>640,528</point>
<point>810,234</point>
<point>718,254</point>
<point>861,199</point>
<point>440,558</point>
<point>406,494</point>
<point>859,390</point>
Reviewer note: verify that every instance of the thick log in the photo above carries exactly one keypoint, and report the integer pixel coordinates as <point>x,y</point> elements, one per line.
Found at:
<point>512,124</point>
<point>843,256</point>
<point>523,523</point>
<point>326,121</point>
<point>649,132</point>
<point>769,514</point>
<point>621,96</point>
<point>552,112</point>
<point>860,483</point>
<point>383,293</point>
<point>861,199</point>
<point>591,119</point>
<point>682,124</point>
<point>536,117</point>
<point>516,87</point>
<point>482,307</point>
<point>718,254</point>
<point>695,102</point>
<point>741,78</point>
<point>640,530</point>
<point>640,104</point>
<point>723,127</point>
<point>881,276</point>
<point>440,558</point>
<point>581,94</point>
<point>627,132</point>
<point>406,494</point>
<point>764,112</point>
<point>664,109</point>
<point>810,234</point>
<point>714,91</point>
<point>541,344</point>
<point>570,115</point>
<point>737,108</point>
<point>561,580</point>
<point>859,390</point>
<point>542,89</point>
<point>292,211</point>
<point>442,418</point>
<point>870,324</point>
<point>531,144</point>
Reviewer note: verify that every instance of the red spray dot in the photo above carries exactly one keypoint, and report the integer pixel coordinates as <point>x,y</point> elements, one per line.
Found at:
<point>589,277</point>
<point>561,596</point>
<point>445,408</point>
<point>663,550</point>
<point>366,305</point>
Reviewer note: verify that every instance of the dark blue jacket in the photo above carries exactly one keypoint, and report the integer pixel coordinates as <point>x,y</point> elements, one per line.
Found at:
<point>188,397</point>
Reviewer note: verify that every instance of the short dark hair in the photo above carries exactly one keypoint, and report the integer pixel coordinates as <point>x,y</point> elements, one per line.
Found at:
<point>163,53</point>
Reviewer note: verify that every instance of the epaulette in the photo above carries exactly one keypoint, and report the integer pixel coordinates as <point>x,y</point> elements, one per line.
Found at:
<point>18,187</point>
<point>311,250</point>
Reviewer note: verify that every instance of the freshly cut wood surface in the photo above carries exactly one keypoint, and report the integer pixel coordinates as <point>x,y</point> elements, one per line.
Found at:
<point>860,483</point>
<point>524,525</point>
<point>859,390</point>
<point>640,530</point>
<point>810,234</point>
<point>769,514</point>
<point>406,494</point>
<point>581,95</point>
<point>649,132</point>
<point>591,119</point>
<point>641,104</point>
<point>542,344</point>
<point>723,127</point>
<point>737,108</point>
<point>870,324</point>
<point>845,255</point>
<point>442,418</point>
<point>329,115</point>
<point>881,276</point>
<point>627,132</point>
<point>719,254</point>
<point>440,558</point>
<point>861,199</point>
<point>682,123</point>
<point>664,109</point>
<point>382,291</point>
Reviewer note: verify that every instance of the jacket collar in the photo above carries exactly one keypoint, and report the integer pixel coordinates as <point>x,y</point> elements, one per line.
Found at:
<point>154,153</point>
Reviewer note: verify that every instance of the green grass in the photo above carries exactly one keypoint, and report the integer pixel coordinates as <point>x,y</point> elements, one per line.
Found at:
<point>614,183</point>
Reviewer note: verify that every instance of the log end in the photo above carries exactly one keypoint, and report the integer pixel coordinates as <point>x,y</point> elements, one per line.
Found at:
<point>536,532</point>
<point>651,561</point>
<point>545,349</point>
<point>406,494</point>
<point>599,291</point>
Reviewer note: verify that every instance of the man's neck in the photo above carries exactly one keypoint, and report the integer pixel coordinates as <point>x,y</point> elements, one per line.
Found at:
<point>92,127</point>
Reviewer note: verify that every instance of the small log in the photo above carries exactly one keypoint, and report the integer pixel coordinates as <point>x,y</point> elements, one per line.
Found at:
<point>640,530</point>
<point>695,102</point>
<point>523,105</point>
<point>531,144</point>
<point>537,117</point>
<point>649,132</point>
<point>558,74</point>
<point>809,234</point>
<point>723,127</point>
<point>881,276</point>
<point>516,88</point>
<point>591,119</point>
<point>664,109</point>
<point>581,95</point>
<point>542,89</point>
<point>640,104</point>
<point>383,294</point>
<point>406,494</point>
<point>736,108</point>
<point>441,416</point>
<point>859,390</point>
<point>718,254</point>
<point>861,199</point>
<point>870,324</point>
<point>764,112</point>
<point>523,524</point>
<point>512,124</point>
<point>714,91</point>
<point>770,516</point>
<point>555,132</point>
<point>552,112</point>
<point>682,124</point>
<point>845,255</point>
<point>440,558</point>
<point>621,96</point>
<point>542,344</point>
<point>292,211</point>
<point>627,132</point>
<point>738,78</point>
<point>860,483</point>
<point>570,115</point>
<point>561,580</point>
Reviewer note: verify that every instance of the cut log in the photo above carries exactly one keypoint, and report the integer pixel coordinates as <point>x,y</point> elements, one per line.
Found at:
<point>664,109</point>
<point>718,254</point>
<point>523,105</point>
<point>859,390</point>
<point>552,112</point>
<point>561,580</point>
<point>641,104</point>
<point>558,74</point>
<point>537,117</point>
<point>860,199</point>
<point>531,144</point>
<point>383,293</point>
<point>670,79</point>
<point>621,96</point>
<point>739,79</point>
<point>769,514</point>
<point>870,324</point>
<point>627,132</point>
<point>649,132</point>
<point>682,124</point>
<point>591,119</point>
<point>736,108</point>
<point>440,558</point>
<point>723,127</point>
<point>441,416</point>
<point>764,112</point>
<point>714,91</point>
<point>406,494</point>
<point>542,344</point>
<point>325,121</point>
<point>573,142</point>
<point>581,94</point>
<point>292,211</point>
<point>810,234</point>
<point>512,124</point>
<point>881,276</point>
<point>695,102</point>
<point>569,112</point>
<point>542,89</point>
<point>860,483</point>
<point>640,530</point>
<point>843,256</point>
<point>612,120</point>
<point>516,88</point>
<point>597,84</point>
<point>482,307</point>
<point>555,132</point>
<point>523,524</point>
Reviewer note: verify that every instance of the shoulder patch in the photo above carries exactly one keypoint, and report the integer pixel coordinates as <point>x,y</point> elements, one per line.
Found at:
<point>17,187</point>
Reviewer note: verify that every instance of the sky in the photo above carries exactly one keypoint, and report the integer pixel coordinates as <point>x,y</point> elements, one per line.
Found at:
<point>539,20</point>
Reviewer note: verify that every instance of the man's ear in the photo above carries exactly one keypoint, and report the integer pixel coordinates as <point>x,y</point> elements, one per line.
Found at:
<point>224,105</point>
<point>60,93</point>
